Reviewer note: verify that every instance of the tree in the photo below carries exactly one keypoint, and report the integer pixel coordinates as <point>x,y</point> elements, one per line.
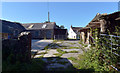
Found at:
<point>62,27</point>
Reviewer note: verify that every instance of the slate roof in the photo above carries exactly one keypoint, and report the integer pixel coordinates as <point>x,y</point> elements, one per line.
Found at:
<point>9,27</point>
<point>76,29</point>
<point>34,26</point>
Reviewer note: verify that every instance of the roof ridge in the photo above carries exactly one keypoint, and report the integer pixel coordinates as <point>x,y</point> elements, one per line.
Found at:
<point>38,23</point>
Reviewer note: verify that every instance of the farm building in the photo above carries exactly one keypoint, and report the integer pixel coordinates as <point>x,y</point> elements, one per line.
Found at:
<point>101,22</point>
<point>10,29</point>
<point>60,34</point>
<point>46,30</point>
<point>74,32</point>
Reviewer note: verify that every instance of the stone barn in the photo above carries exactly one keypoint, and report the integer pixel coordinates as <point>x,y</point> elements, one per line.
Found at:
<point>46,30</point>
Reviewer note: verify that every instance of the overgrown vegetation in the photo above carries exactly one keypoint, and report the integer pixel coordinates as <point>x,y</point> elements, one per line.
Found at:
<point>60,52</point>
<point>99,58</point>
<point>34,65</point>
<point>96,59</point>
<point>72,58</point>
<point>74,51</point>
<point>73,47</point>
<point>46,47</point>
<point>16,60</point>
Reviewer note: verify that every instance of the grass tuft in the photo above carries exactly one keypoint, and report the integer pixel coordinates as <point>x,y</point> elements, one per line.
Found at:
<point>73,51</point>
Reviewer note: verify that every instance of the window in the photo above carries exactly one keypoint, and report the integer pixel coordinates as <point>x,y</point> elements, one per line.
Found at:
<point>74,37</point>
<point>44,26</point>
<point>31,26</point>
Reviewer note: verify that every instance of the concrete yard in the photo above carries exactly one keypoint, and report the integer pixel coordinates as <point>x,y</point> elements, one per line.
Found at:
<point>58,52</point>
<point>40,44</point>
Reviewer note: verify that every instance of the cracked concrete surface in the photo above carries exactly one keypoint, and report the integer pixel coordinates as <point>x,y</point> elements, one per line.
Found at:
<point>54,62</point>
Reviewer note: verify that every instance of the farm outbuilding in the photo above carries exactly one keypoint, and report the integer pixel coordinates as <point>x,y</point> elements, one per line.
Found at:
<point>104,23</point>
<point>46,30</point>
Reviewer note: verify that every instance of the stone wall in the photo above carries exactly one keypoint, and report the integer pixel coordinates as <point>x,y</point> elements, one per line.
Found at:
<point>42,34</point>
<point>88,37</point>
<point>83,37</point>
<point>17,49</point>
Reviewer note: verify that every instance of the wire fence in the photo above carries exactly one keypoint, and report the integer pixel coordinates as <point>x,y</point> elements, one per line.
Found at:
<point>110,45</point>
